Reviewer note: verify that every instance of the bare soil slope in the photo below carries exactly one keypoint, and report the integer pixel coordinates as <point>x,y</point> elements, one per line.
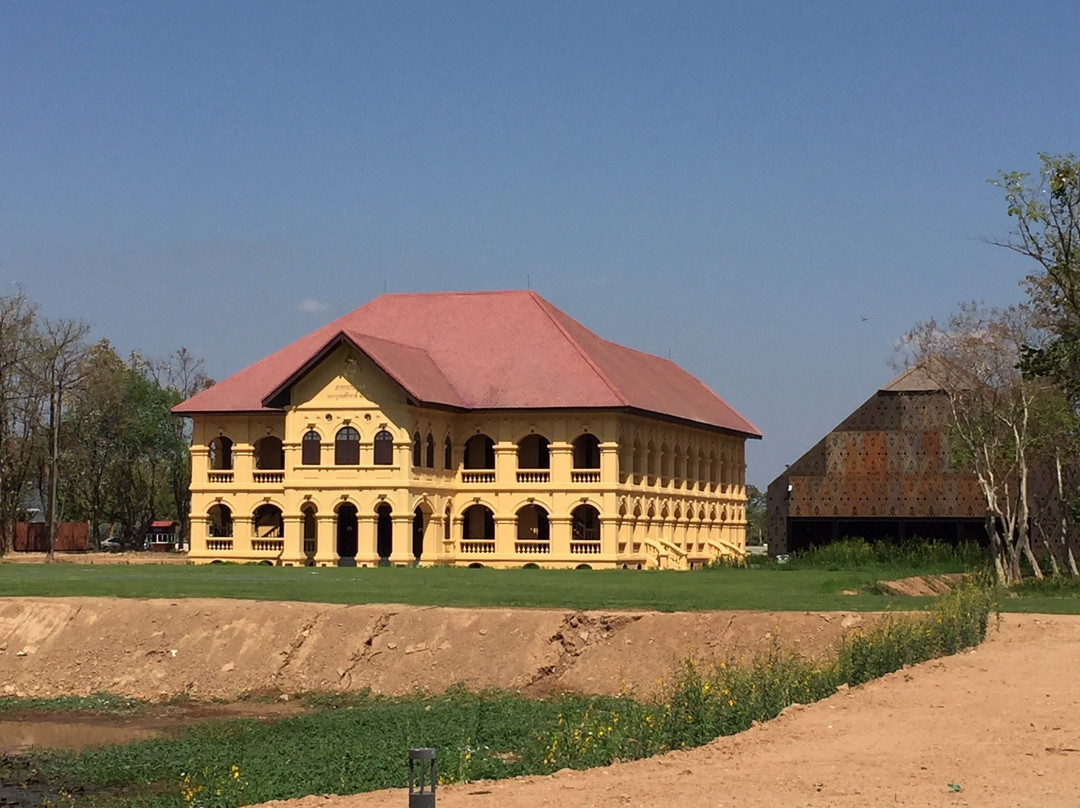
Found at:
<point>220,648</point>
<point>996,727</point>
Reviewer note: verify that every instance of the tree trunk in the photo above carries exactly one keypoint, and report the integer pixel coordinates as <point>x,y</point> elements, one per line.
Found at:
<point>54,462</point>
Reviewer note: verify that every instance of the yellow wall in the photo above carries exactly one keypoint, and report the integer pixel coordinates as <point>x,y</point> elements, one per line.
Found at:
<point>664,516</point>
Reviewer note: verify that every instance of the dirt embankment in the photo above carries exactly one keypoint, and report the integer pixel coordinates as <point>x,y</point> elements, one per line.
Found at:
<point>995,727</point>
<point>157,649</point>
<point>96,558</point>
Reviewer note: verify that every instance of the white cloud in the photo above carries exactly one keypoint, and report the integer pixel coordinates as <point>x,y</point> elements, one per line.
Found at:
<point>311,306</point>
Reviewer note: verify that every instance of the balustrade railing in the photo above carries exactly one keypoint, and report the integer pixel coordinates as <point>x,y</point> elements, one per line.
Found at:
<point>532,547</point>
<point>585,476</point>
<point>584,548</point>
<point>219,545</point>
<point>534,476</point>
<point>219,476</point>
<point>477,547</point>
<point>478,476</point>
<point>267,545</point>
<point>274,477</point>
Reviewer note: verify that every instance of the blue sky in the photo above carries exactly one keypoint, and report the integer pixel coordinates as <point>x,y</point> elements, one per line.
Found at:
<point>770,194</point>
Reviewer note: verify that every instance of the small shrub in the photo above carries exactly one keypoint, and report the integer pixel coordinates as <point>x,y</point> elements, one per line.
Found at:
<point>955,621</point>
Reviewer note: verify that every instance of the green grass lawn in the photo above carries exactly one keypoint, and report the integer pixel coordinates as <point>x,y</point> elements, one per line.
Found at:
<point>774,588</point>
<point>768,589</point>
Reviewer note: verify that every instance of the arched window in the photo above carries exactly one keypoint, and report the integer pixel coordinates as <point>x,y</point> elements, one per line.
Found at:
<point>448,453</point>
<point>384,448</point>
<point>417,450</point>
<point>347,447</point>
<point>586,452</point>
<point>311,451</point>
<point>429,452</point>
<point>446,523</point>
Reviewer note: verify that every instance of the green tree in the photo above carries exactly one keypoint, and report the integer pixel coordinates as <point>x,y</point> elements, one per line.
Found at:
<point>1045,209</point>
<point>96,424</point>
<point>756,513</point>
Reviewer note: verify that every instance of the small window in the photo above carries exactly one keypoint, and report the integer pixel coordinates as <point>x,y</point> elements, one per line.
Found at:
<point>347,447</point>
<point>384,448</point>
<point>417,450</point>
<point>429,452</point>
<point>448,454</point>
<point>311,451</point>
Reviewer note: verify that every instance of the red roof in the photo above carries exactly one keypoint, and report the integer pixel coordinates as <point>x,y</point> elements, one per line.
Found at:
<point>483,350</point>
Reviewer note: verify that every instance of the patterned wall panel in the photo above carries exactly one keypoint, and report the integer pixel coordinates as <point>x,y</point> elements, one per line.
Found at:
<point>889,458</point>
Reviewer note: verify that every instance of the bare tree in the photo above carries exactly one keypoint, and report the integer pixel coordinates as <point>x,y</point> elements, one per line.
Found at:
<point>20,409</point>
<point>182,373</point>
<point>1003,423</point>
<point>61,351</point>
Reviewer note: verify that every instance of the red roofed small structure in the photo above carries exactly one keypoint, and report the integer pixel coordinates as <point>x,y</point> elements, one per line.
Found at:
<point>555,446</point>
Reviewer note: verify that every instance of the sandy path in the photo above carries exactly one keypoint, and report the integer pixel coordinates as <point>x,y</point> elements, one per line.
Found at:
<point>1002,722</point>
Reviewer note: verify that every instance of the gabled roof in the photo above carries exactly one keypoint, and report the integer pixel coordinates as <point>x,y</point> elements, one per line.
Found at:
<point>482,351</point>
<point>933,374</point>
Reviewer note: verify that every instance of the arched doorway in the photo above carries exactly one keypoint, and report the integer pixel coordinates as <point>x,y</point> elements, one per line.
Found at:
<point>221,453</point>
<point>418,525</point>
<point>310,532</point>
<point>478,524</point>
<point>346,535</point>
<point>220,522</point>
<point>585,525</point>
<point>479,453</point>
<point>269,454</point>
<point>267,522</point>
<point>532,524</point>
<point>384,533</point>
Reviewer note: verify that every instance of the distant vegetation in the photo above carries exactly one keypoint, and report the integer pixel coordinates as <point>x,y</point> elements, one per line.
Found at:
<point>928,557</point>
<point>86,434</point>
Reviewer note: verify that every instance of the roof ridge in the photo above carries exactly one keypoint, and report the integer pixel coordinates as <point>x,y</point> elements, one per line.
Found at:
<point>543,304</point>
<point>456,292</point>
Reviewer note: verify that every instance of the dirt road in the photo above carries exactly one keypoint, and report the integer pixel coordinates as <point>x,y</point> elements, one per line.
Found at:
<point>997,727</point>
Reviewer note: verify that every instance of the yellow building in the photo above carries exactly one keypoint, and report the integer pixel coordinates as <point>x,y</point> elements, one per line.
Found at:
<point>467,429</point>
